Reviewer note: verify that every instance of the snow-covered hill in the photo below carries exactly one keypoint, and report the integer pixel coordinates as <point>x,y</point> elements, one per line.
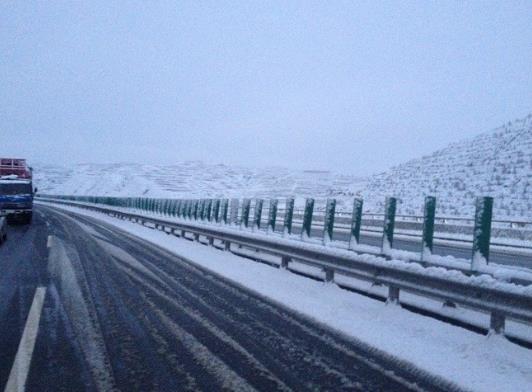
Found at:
<point>192,180</point>
<point>496,163</point>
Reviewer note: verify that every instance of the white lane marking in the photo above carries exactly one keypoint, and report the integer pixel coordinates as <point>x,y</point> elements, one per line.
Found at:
<point>21,365</point>
<point>49,241</point>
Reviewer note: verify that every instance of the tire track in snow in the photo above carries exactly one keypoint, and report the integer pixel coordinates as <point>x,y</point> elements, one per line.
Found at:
<point>222,337</point>
<point>280,340</point>
<point>81,313</point>
<point>252,328</point>
<point>270,337</point>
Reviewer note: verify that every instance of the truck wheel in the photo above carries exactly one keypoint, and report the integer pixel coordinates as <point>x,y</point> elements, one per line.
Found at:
<point>28,218</point>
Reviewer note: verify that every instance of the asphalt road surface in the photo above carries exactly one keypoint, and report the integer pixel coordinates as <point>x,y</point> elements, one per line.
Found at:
<point>116,313</point>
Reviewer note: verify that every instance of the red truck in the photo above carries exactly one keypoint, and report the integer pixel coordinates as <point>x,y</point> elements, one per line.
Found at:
<point>16,189</point>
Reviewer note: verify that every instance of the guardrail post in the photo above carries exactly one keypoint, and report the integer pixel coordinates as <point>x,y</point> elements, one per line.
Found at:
<point>429,214</point>
<point>180,205</point>
<point>234,212</point>
<point>328,222</point>
<point>195,206</point>
<point>258,214</point>
<point>208,207</point>
<point>393,295</point>
<point>227,246</point>
<point>202,209</point>
<point>497,322</point>
<point>244,221</point>
<point>272,215</point>
<point>232,218</point>
<point>173,207</point>
<point>224,208</point>
<point>356,223</point>
<point>179,208</point>
<point>288,216</point>
<point>285,260</point>
<point>190,206</point>
<point>186,209</point>
<point>389,224</point>
<point>168,207</point>
<point>216,210</point>
<point>482,232</point>
<point>329,275</point>
<point>307,219</point>
<point>190,209</point>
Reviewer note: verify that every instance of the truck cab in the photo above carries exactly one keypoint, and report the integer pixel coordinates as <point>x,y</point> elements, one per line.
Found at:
<point>16,190</point>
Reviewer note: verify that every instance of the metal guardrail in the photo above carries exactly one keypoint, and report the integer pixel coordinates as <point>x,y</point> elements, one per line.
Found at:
<point>501,300</point>
<point>476,236</point>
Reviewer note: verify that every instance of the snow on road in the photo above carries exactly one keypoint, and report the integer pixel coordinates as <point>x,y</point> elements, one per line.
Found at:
<point>470,360</point>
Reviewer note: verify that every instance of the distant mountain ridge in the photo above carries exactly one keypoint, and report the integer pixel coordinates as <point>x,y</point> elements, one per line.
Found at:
<point>497,163</point>
<point>192,180</point>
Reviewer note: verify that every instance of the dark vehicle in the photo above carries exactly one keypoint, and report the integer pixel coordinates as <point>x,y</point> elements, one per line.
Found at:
<point>3,229</point>
<point>16,190</point>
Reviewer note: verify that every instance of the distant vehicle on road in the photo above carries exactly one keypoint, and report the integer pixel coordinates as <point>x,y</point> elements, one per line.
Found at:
<point>16,189</point>
<point>3,229</point>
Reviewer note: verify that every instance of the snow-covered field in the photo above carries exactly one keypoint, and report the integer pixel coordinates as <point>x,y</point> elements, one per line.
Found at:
<point>472,361</point>
<point>497,163</point>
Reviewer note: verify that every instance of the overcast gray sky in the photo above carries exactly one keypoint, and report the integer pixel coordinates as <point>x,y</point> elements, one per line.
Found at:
<point>345,85</point>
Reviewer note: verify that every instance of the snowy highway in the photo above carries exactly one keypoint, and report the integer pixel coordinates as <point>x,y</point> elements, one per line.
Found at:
<point>113,312</point>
